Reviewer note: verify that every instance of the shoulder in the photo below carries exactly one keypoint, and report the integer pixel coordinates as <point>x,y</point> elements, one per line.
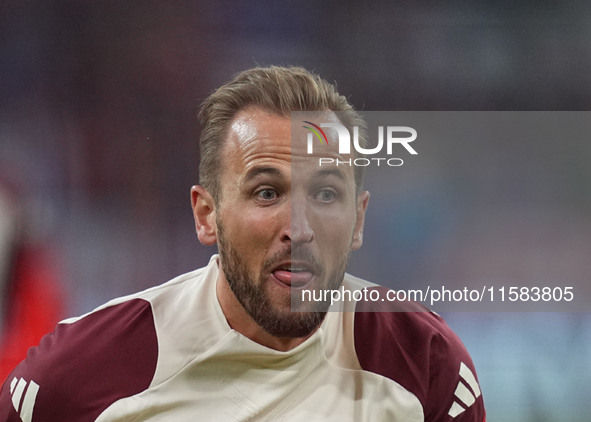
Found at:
<point>89,362</point>
<point>416,348</point>
<point>86,364</point>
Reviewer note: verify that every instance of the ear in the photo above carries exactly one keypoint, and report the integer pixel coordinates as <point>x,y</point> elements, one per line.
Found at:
<point>204,214</point>
<point>362,201</point>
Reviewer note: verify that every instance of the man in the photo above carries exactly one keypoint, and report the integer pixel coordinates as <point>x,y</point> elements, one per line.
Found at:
<point>223,343</point>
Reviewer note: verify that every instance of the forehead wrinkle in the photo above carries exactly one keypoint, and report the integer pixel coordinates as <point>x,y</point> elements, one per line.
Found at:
<point>255,148</point>
<point>263,149</point>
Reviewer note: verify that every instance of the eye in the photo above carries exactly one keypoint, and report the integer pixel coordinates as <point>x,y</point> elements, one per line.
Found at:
<point>326,195</point>
<point>267,194</point>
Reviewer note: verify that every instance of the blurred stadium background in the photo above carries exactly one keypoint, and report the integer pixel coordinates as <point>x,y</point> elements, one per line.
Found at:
<point>98,147</point>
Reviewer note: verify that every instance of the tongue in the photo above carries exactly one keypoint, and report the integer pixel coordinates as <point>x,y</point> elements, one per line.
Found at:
<point>294,279</point>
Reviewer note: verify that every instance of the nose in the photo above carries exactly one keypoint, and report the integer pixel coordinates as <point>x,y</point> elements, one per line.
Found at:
<point>298,230</point>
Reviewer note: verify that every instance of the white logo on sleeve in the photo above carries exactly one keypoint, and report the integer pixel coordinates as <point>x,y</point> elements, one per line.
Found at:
<point>24,405</point>
<point>463,393</point>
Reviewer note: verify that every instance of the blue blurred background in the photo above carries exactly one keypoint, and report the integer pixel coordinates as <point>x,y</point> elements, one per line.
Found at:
<point>99,146</point>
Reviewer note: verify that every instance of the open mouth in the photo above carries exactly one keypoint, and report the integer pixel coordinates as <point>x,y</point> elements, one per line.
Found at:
<point>295,275</point>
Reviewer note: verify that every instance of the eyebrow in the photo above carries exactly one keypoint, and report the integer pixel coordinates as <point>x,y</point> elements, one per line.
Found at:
<point>331,172</point>
<point>255,171</point>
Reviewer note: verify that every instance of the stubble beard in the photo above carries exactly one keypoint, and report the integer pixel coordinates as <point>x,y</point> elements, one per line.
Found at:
<point>279,320</point>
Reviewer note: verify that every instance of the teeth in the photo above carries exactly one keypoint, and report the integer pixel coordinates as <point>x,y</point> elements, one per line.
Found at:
<point>293,269</point>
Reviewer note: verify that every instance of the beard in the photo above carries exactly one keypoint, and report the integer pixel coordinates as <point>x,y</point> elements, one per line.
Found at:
<point>291,317</point>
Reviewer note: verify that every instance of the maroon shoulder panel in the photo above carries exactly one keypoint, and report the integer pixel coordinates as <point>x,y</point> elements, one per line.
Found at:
<point>84,367</point>
<point>418,350</point>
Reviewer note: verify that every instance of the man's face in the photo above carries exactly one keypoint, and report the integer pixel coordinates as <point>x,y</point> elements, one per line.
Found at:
<point>283,223</point>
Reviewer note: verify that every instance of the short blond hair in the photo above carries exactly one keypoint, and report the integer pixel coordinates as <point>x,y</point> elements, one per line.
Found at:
<point>279,90</point>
